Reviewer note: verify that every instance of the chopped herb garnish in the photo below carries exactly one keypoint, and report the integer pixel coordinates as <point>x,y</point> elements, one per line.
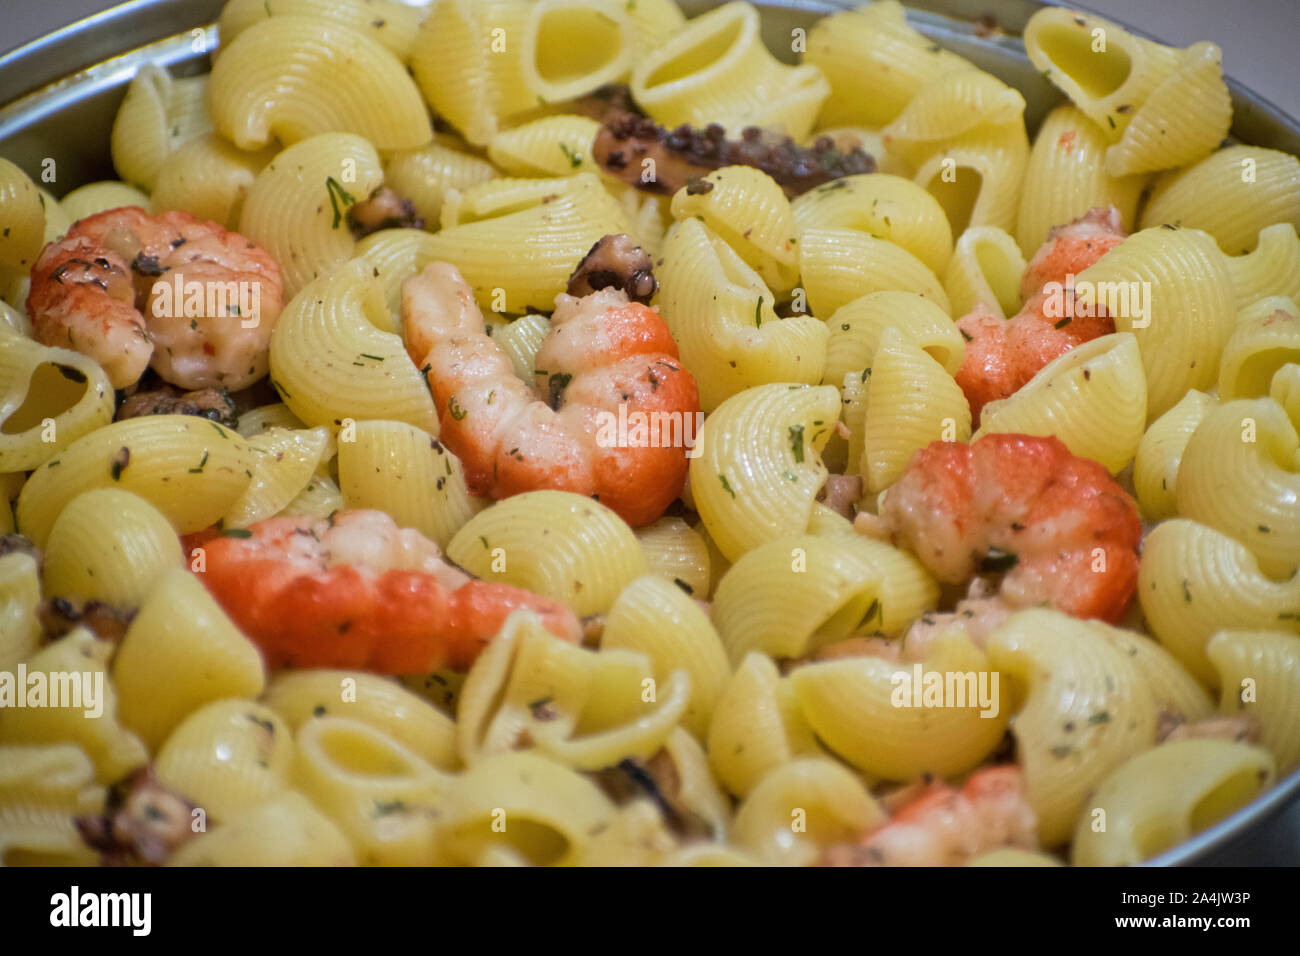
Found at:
<point>202,464</point>
<point>337,193</point>
<point>574,159</point>
<point>796,442</point>
<point>1063,323</point>
<point>758,314</point>
<point>456,411</point>
<point>236,533</point>
<point>1101,717</point>
<point>377,358</point>
<point>726,485</point>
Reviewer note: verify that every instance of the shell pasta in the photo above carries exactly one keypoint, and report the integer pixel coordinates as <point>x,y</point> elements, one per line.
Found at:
<point>624,433</point>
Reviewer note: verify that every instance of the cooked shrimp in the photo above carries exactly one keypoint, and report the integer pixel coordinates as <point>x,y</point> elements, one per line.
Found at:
<point>99,290</point>
<point>1003,355</point>
<point>354,590</point>
<point>1058,525</point>
<point>947,827</point>
<point>602,353</point>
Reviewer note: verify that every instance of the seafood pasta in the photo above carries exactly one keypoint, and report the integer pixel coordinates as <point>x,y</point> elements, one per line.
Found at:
<point>557,432</point>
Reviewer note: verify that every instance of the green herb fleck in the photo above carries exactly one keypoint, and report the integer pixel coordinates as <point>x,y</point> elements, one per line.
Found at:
<point>796,442</point>
<point>726,485</point>
<point>574,159</point>
<point>337,193</point>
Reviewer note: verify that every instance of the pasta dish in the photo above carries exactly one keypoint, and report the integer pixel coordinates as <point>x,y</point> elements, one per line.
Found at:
<point>532,432</point>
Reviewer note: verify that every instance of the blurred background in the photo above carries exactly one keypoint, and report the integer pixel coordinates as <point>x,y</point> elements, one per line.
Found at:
<point>1258,39</point>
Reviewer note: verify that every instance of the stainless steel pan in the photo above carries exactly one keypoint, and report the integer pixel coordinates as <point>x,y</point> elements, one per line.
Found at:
<point>60,94</point>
